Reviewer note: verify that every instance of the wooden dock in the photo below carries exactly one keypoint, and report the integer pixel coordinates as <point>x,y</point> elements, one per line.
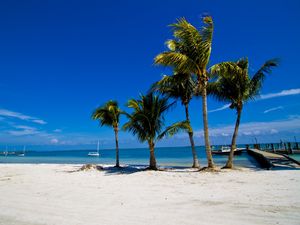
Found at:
<point>270,160</point>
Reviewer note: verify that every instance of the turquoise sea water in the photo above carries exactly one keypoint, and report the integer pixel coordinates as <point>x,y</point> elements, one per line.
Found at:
<point>175,156</point>
<point>295,156</point>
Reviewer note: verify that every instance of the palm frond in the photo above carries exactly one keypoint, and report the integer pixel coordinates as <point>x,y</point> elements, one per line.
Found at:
<point>243,63</point>
<point>108,114</point>
<point>259,76</point>
<point>178,86</point>
<point>177,60</point>
<point>233,83</point>
<point>186,33</point>
<point>206,44</point>
<point>174,129</point>
<point>147,119</point>
<point>133,103</point>
<point>226,69</point>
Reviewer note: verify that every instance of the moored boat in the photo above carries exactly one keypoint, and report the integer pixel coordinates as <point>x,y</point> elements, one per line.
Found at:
<point>225,150</point>
<point>95,154</point>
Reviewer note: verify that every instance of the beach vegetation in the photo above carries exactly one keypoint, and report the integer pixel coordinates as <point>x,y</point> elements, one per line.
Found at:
<point>147,122</point>
<point>180,86</point>
<point>234,85</point>
<point>109,115</point>
<point>189,53</point>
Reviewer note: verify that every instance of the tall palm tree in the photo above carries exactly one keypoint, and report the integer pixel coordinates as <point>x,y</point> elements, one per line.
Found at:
<point>109,115</point>
<point>182,87</point>
<point>234,85</point>
<point>147,122</point>
<point>189,52</point>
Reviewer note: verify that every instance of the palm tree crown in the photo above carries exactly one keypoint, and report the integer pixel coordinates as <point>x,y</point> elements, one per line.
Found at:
<point>179,86</point>
<point>234,84</point>
<point>108,114</point>
<point>147,121</point>
<point>189,51</point>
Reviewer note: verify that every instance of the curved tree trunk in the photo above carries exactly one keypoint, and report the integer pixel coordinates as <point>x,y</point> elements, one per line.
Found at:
<point>191,136</point>
<point>205,124</point>
<point>152,162</point>
<point>117,147</point>
<point>229,163</point>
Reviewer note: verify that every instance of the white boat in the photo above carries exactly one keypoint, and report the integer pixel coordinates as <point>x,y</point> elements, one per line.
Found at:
<point>6,152</point>
<point>95,154</point>
<point>23,153</point>
<point>226,150</point>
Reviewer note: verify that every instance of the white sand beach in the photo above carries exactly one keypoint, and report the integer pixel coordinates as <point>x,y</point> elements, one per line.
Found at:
<point>53,194</point>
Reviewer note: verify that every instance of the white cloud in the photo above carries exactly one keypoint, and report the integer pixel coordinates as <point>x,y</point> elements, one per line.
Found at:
<point>257,132</point>
<point>220,109</point>
<point>57,130</point>
<point>274,131</point>
<point>282,93</point>
<point>265,96</point>
<point>42,122</point>
<point>24,127</point>
<point>257,128</point>
<point>20,116</point>
<point>23,131</point>
<point>54,141</point>
<point>294,116</point>
<point>247,133</point>
<point>273,109</point>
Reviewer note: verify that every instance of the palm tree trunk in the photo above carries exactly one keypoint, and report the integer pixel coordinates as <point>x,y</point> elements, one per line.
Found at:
<point>205,124</point>
<point>229,163</point>
<point>117,147</point>
<point>191,136</point>
<point>152,163</point>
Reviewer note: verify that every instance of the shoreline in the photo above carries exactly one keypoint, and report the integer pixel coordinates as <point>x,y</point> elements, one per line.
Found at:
<point>48,194</point>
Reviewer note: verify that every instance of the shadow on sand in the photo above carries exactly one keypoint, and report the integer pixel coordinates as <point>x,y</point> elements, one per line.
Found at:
<point>131,169</point>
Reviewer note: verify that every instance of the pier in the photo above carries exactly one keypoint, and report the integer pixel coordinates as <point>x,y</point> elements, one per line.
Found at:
<point>281,148</point>
<point>269,160</point>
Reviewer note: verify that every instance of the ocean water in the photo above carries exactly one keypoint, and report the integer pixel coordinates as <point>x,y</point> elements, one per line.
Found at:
<point>167,157</point>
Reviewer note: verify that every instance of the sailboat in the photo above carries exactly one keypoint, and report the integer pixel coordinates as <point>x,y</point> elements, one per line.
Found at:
<point>95,154</point>
<point>6,152</point>
<point>23,153</point>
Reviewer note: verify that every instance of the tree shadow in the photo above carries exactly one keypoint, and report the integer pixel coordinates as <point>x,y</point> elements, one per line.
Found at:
<point>128,169</point>
<point>131,169</point>
<point>136,168</point>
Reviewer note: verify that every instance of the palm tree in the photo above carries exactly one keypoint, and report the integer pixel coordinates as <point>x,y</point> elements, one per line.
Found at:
<point>234,85</point>
<point>189,53</point>
<point>147,121</point>
<point>182,87</point>
<point>109,115</point>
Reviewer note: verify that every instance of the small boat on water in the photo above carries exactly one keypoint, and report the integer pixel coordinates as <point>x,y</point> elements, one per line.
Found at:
<point>5,153</point>
<point>225,150</point>
<point>23,153</point>
<point>95,154</point>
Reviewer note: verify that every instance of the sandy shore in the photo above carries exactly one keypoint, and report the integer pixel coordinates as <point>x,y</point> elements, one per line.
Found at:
<point>53,194</point>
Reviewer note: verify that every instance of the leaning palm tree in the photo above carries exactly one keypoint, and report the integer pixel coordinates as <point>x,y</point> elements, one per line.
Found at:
<point>182,87</point>
<point>234,85</point>
<point>109,115</point>
<point>189,52</point>
<point>147,122</point>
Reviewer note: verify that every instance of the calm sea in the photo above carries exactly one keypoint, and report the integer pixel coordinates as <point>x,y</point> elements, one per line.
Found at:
<point>175,156</point>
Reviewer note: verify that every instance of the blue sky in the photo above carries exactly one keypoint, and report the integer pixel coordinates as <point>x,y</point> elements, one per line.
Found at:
<point>61,59</point>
